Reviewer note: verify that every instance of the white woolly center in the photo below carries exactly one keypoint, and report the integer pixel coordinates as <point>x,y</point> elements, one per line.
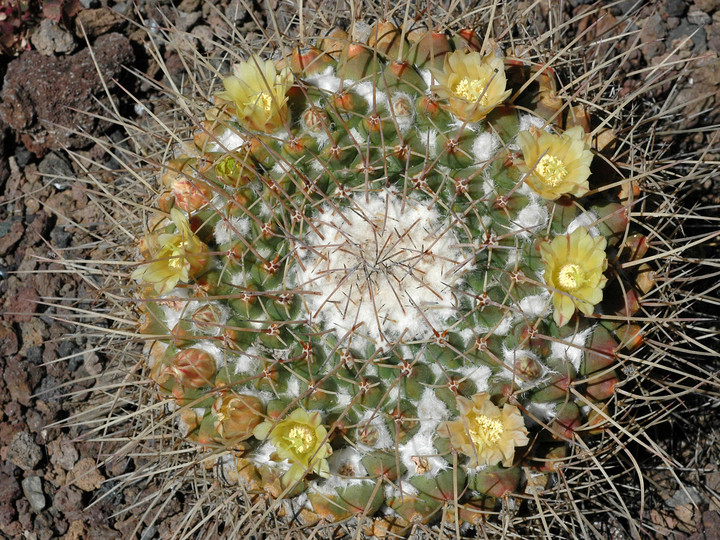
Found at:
<point>385,265</point>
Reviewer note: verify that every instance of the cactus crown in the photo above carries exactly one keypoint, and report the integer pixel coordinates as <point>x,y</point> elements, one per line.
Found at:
<point>384,280</point>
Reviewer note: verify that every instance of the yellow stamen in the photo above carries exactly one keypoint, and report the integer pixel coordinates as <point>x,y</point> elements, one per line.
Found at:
<point>551,170</point>
<point>301,438</point>
<point>265,101</point>
<point>176,262</point>
<point>485,431</point>
<point>569,277</point>
<point>471,89</point>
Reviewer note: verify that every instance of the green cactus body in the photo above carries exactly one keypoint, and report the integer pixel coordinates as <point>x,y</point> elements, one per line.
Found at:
<point>373,287</point>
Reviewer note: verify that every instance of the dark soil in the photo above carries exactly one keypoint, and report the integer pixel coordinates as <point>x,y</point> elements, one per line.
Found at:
<point>52,104</point>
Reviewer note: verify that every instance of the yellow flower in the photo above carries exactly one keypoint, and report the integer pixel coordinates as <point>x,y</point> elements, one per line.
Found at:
<point>556,164</point>
<point>301,439</point>
<point>484,432</point>
<point>574,266</point>
<point>259,93</point>
<point>176,257</point>
<point>472,84</point>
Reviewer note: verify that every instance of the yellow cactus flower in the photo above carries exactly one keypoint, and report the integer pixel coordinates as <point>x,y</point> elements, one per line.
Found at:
<point>574,266</point>
<point>484,432</point>
<point>301,439</point>
<point>472,84</point>
<point>258,91</point>
<point>556,164</point>
<point>176,256</point>
<point>237,415</point>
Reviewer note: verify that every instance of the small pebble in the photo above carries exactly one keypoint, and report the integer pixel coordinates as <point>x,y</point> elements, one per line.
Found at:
<point>50,39</point>
<point>32,487</point>
<point>56,171</point>
<point>699,17</point>
<point>23,451</point>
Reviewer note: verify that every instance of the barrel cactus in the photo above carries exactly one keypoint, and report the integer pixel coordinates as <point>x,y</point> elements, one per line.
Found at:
<point>385,278</point>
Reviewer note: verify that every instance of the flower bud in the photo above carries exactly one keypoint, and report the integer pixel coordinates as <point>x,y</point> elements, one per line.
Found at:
<point>193,368</point>
<point>236,416</point>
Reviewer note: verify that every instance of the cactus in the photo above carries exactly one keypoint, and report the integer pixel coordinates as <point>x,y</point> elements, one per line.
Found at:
<point>383,278</point>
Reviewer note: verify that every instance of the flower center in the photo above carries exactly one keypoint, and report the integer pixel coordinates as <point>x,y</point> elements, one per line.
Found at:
<point>384,266</point>
<point>301,438</point>
<point>175,258</point>
<point>472,89</point>
<point>485,431</point>
<point>551,170</point>
<point>569,277</point>
<point>265,101</point>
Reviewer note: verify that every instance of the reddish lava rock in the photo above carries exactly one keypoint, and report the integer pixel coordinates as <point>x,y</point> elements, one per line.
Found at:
<point>42,94</point>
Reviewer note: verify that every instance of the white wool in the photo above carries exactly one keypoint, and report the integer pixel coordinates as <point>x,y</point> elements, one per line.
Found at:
<point>345,465</point>
<point>343,398</point>
<point>543,411</point>
<point>530,219</point>
<point>327,80</point>
<point>371,94</point>
<point>510,357</point>
<point>528,120</point>
<point>479,375</point>
<point>430,412</point>
<point>430,409</point>
<point>229,141</point>
<point>467,336</point>
<point>177,309</point>
<point>239,279</point>
<point>264,211</point>
<point>263,453</point>
<point>586,220</point>
<point>421,447</point>
<point>488,185</point>
<point>388,264</point>
<point>460,124</point>
<point>535,305</point>
<point>322,138</point>
<point>393,492</point>
<point>246,363</point>
<point>427,77</point>
<point>375,421</point>
<point>429,140</point>
<point>228,229</point>
<point>404,122</point>
<point>485,146</point>
<point>280,169</point>
<point>504,327</point>
<point>571,348</point>
<point>357,137</point>
<point>436,369</point>
<point>371,370</point>
<point>514,259</point>
<point>361,31</point>
<point>293,387</point>
<point>525,190</point>
<point>266,253</point>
